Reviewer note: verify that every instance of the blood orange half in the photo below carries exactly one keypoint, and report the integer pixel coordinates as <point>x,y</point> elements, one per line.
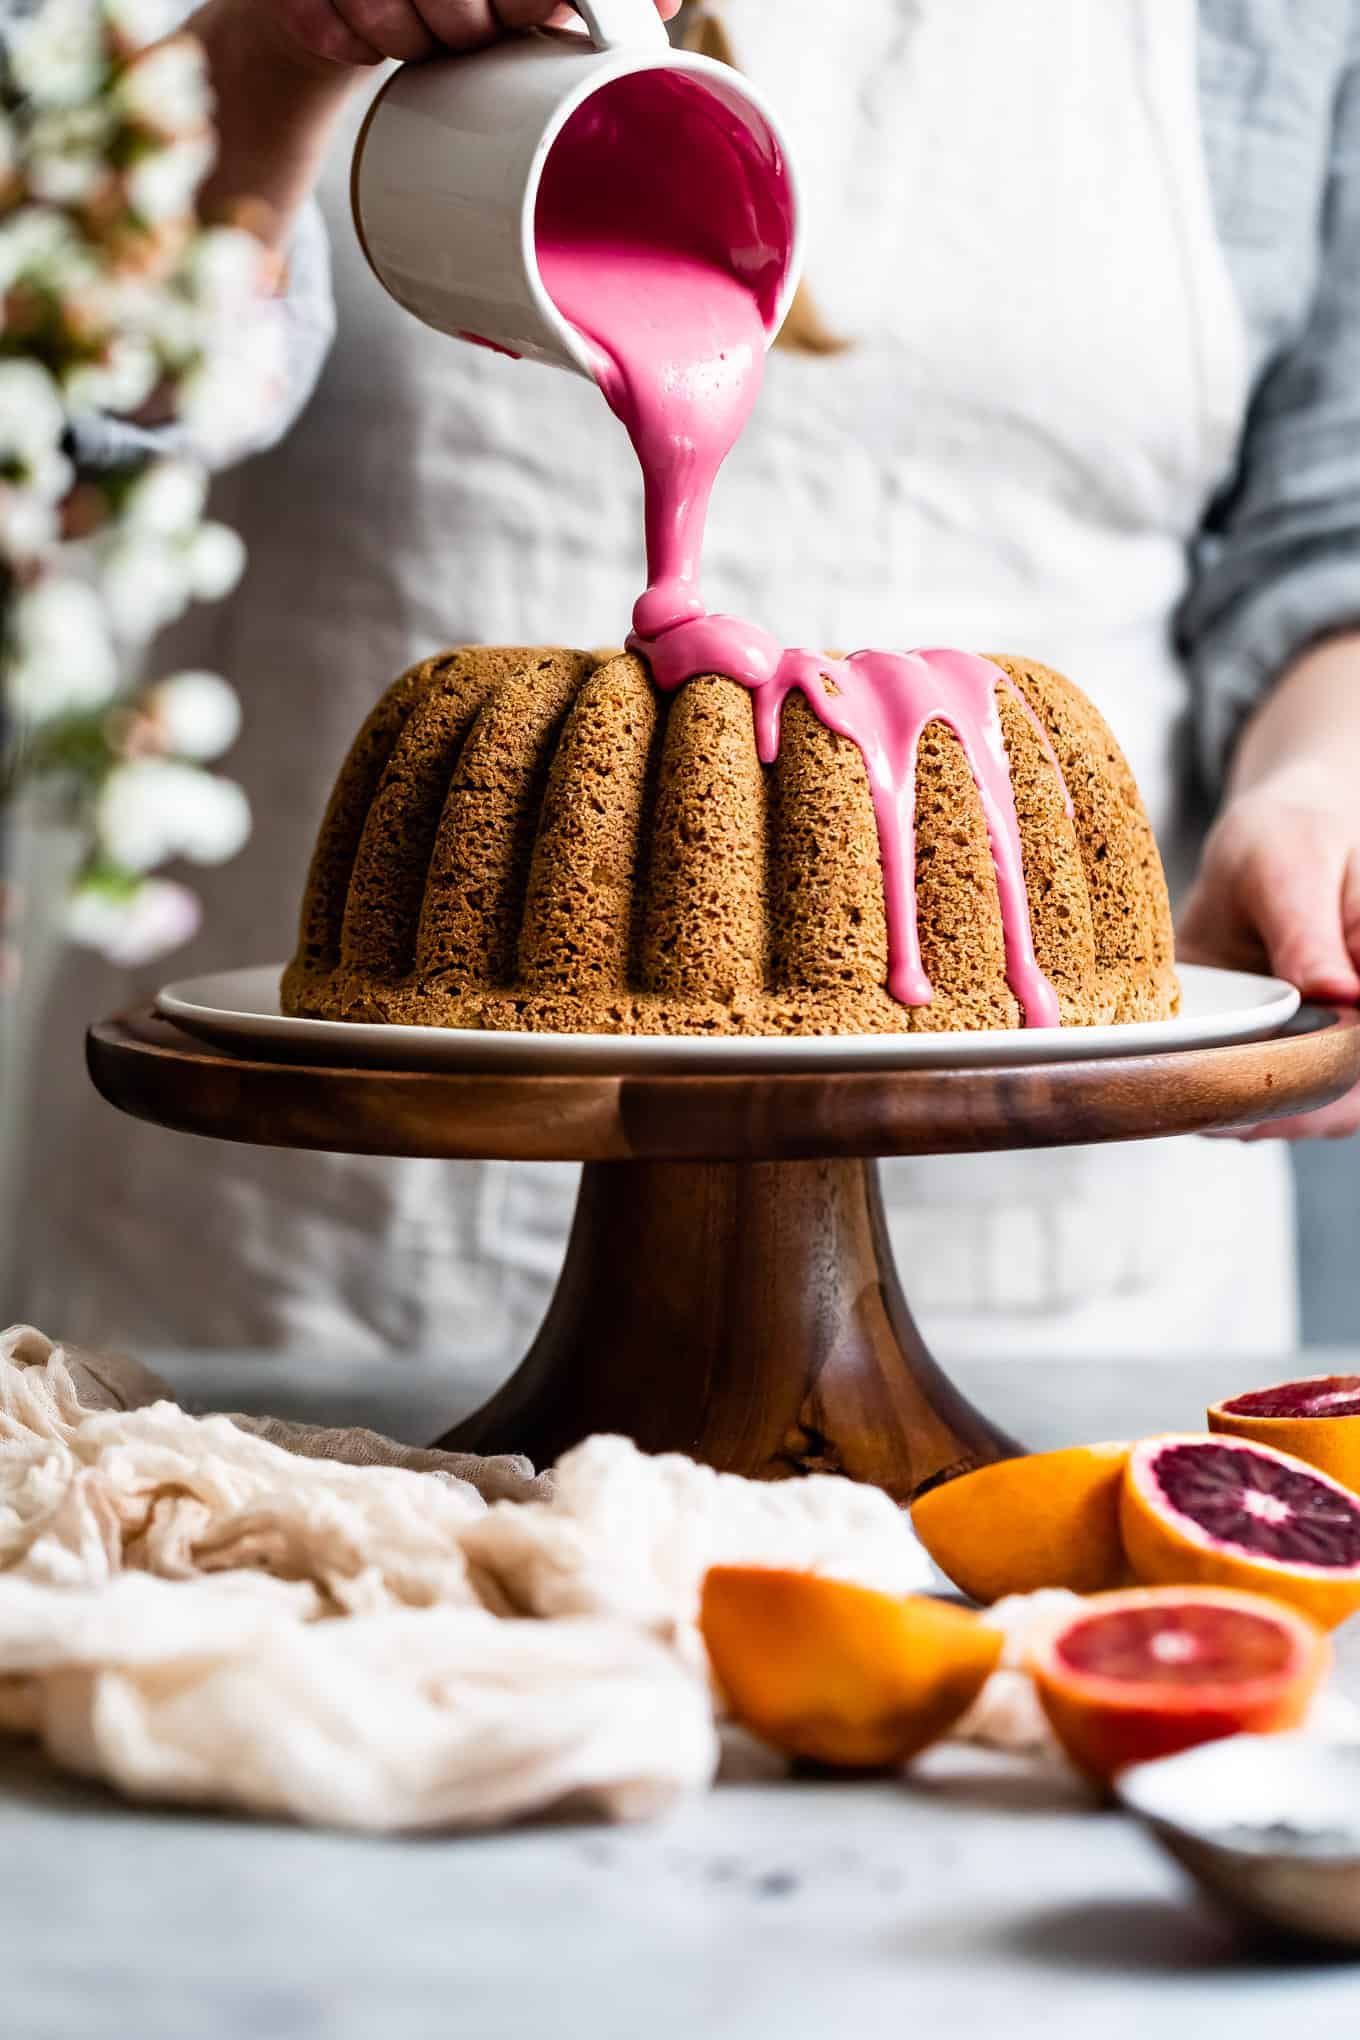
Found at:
<point>1047,1519</point>
<point>1221,1511</point>
<point>839,1673</point>
<point>1154,1670</point>
<point>1317,1419</point>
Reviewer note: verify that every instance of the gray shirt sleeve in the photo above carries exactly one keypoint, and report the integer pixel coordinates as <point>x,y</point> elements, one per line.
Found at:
<point>1277,564</point>
<point>306,311</point>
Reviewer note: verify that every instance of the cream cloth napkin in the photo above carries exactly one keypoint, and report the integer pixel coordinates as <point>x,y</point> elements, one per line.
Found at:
<point>327,1625</point>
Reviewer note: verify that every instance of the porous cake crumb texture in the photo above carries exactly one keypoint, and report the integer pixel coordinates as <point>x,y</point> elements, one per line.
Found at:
<point>536,838</point>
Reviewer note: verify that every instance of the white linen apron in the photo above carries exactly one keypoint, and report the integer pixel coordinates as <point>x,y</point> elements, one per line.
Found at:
<point>1010,218</point>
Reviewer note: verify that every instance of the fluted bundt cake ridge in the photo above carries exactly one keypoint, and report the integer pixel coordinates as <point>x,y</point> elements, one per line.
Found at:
<point>537,838</point>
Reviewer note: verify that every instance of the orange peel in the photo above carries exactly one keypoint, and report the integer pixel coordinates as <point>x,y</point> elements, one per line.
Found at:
<point>1202,1509</point>
<point>1317,1418</point>
<point>1142,1674</point>
<point>838,1673</point>
<point>1049,1519</point>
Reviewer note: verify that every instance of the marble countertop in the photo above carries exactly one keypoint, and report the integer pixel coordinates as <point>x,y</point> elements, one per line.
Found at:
<point>972,1897</point>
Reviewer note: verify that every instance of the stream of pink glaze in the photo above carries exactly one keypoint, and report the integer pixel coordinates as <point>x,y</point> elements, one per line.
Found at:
<point>659,237</point>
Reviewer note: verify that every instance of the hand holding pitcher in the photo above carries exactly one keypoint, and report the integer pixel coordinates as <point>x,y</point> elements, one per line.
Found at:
<point>351,32</point>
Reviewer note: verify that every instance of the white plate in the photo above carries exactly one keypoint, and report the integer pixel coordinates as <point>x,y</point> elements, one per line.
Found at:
<point>240,1009</point>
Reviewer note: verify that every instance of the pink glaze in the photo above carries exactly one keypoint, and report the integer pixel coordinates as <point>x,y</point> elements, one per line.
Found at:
<point>491,346</point>
<point>658,238</point>
<point>883,701</point>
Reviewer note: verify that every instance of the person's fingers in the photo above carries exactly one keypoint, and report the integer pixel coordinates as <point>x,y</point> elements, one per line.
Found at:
<point>1209,931</point>
<point>472,24</point>
<point>461,24</point>
<point>318,29</point>
<point>514,14</point>
<point>392,27</point>
<point>1350,907</point>
<point>1289,887</point>
<point>1337,1121</point>
<point>525,13</point>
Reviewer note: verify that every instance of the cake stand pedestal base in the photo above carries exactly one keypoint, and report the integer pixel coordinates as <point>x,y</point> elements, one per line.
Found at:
<point>746,1313</point>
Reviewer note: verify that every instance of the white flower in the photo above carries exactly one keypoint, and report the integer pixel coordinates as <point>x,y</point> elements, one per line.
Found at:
<point>37,475</point>
<point>230,395</point>
<point>28,523</point>
<point>61,657</point>
<point>32,418</point>
<point>151,809</point>
<point>133,927</point>
<point>66,178</point>
<point>108,304</point>
<point>37,241</point>
<point>223,269</point>
<point>167,500</point>
<point>167,90</point>
<point>149,574</point>
<point>174,326</point>
<point>120,383</point>
<point>50,476</point>
<point>219,824</point>
<point>137,815</point>
<point>139,22</point>
<point>163,184</point>
<point>29,520</point>
<point>58,58</point>
<point>217,560</point>
<point>145,583</point>
<point>67,153</point>
<point>196,715</point>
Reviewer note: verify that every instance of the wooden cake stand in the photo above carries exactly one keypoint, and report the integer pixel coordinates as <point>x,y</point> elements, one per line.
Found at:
<point>729,1290</point>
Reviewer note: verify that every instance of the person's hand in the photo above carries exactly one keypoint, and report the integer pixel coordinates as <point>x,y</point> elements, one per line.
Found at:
<point>350,32</point>
<point>1279,889</point>
<point>283,70</point>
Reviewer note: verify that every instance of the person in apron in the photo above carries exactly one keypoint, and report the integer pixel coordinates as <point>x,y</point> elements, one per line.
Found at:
<point>1022,413</point>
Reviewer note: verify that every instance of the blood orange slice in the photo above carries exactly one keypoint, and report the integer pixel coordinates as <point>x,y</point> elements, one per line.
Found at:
<point>1153,1670</point>
<point>1317,1419</point>
<point>1226,1512</point>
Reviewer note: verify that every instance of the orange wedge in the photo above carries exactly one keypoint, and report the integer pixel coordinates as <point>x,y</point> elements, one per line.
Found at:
<point>1316,1418</point>
<point>1154,1670</point>
<point>839,1673</point>
<point>1203,1509</point>
<point>1050,1519</point>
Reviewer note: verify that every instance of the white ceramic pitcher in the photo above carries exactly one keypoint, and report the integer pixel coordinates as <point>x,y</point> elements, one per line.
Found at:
<point>447,168</point>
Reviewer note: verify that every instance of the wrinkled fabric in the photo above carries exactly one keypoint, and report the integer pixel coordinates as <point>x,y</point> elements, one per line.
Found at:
<point>449,1717</point>
<point>190,1610</point>
<point>303,1623</point>
<point>84,1497</point>
<point>1006,1714</point>
<point>631,1537</point>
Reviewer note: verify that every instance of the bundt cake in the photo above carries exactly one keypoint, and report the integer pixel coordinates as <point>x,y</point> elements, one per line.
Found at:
<point>540,839</point>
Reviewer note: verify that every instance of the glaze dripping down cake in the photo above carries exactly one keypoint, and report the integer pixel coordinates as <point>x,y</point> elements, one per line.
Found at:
<point>540,839</point>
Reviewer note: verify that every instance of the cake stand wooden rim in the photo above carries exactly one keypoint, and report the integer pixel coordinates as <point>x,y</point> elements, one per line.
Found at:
<point>729,1288</point>
<point>147,1067</point>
